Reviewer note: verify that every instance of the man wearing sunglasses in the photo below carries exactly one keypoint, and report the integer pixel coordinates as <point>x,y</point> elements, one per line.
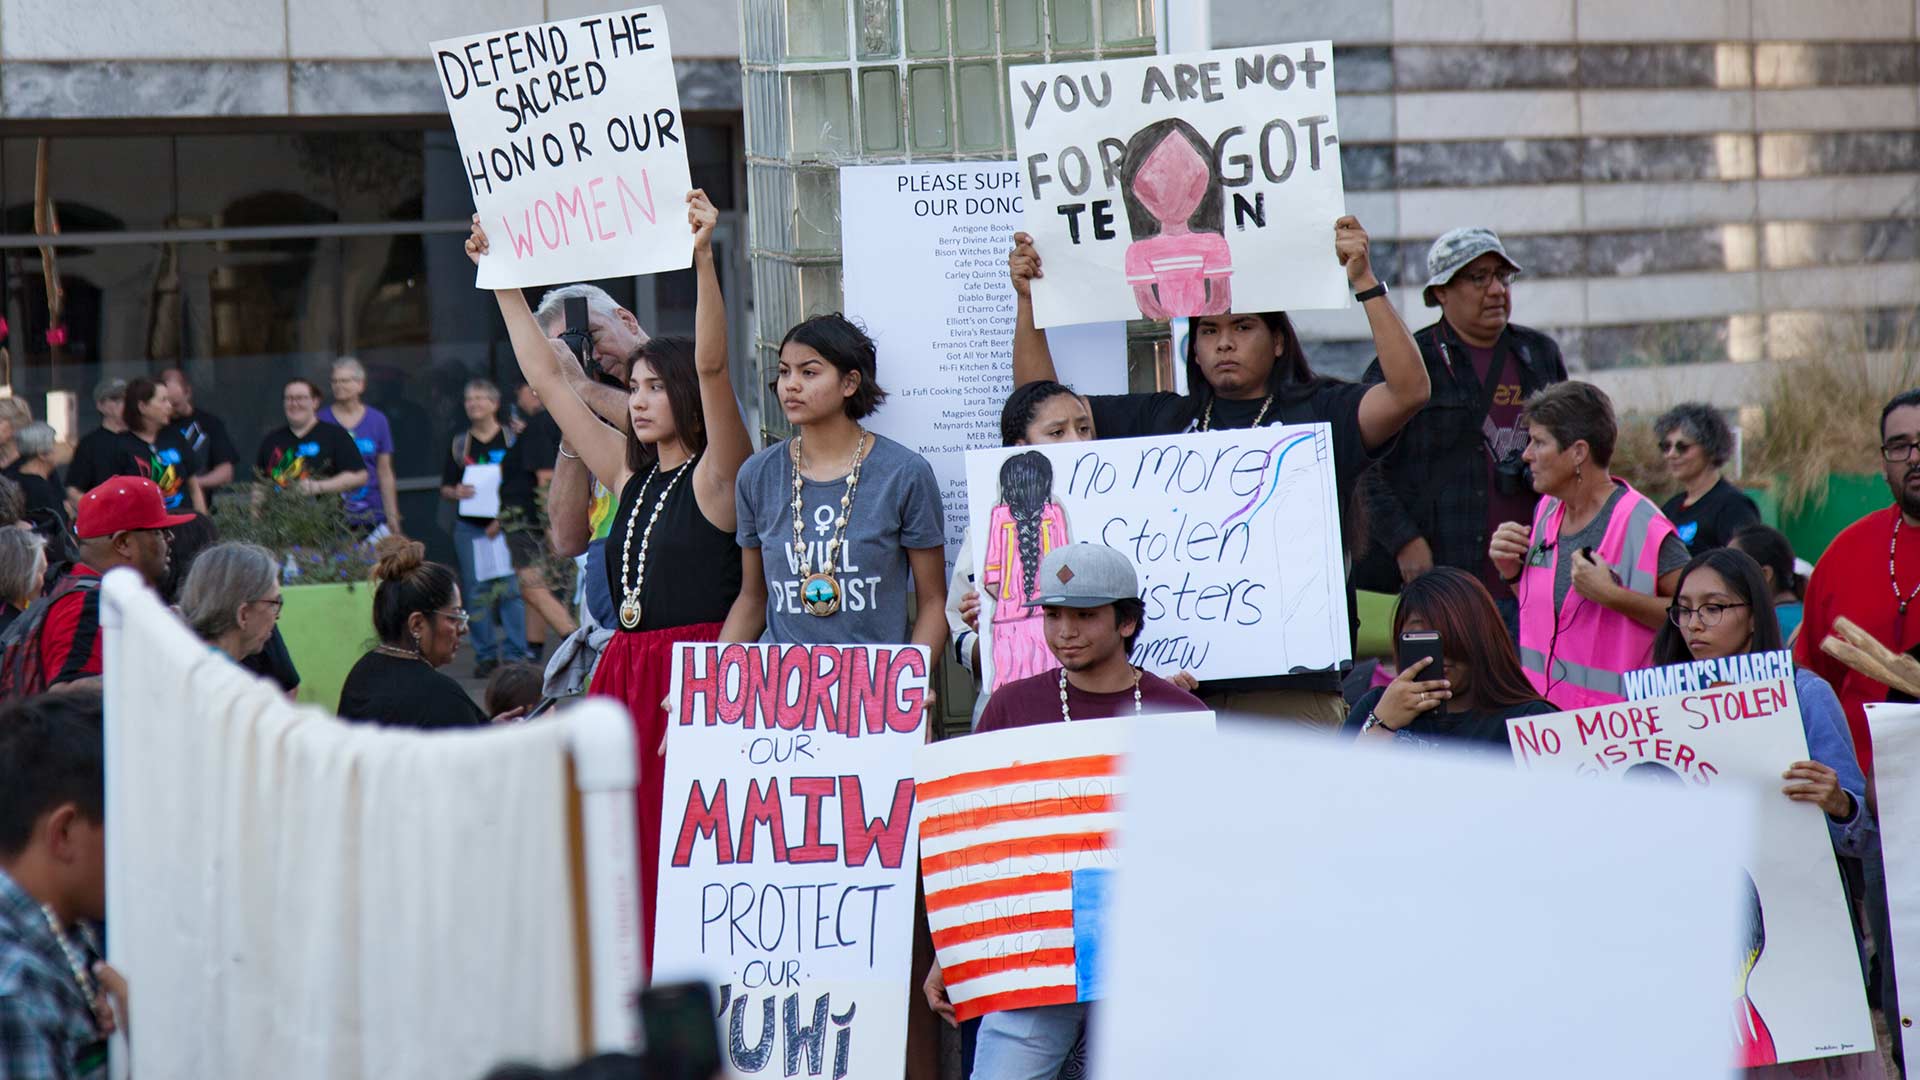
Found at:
<point>1871,575</point>
<point>1456,474</point>
<point>123,522</point>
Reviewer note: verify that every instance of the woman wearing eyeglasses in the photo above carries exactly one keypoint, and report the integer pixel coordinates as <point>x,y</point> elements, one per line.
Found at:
<point>231,598</point>
<point>417,613</point>
<point>1723,607</point>
<point>1695,442</point>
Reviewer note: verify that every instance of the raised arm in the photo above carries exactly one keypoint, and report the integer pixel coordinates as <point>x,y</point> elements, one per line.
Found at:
<point>1031,358</point>
<point>603,449</point>
<point>728,443</point>
<point>1388,406</point>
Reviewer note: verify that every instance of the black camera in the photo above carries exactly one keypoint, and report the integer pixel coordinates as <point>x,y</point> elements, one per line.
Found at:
<point>579,339</point>
<point>1512,475</point>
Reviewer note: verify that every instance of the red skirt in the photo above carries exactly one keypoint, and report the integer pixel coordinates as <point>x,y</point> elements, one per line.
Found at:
<point>637,670</point>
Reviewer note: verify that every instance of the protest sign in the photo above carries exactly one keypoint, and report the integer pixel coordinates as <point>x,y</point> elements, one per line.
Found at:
<point>1460,919</point>
<point>1235,537</point>
<point>571,139</point>
<point>1016,854</point>
<point>1703,674</point>
<point>924,254</point>
<point>1195,184</point>
<point>1896,772</point>
<point>1797,979</point>
<point>786,873</point>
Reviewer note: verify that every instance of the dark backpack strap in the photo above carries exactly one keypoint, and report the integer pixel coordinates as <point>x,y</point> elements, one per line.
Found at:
<point>85,633</point>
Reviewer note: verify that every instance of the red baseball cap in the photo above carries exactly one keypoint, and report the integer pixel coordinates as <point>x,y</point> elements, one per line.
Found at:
<point>121,504</point>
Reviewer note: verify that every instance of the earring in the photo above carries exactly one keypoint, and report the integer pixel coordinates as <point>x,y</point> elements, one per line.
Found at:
<point>416,641</point>
<point>1576,472</point>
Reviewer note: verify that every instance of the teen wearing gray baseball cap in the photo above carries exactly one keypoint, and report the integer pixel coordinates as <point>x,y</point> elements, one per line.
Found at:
<point>1093,614</point>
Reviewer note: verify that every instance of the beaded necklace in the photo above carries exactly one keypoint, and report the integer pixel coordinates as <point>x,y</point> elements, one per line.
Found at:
<point>1068,717</point>
<point>630,593</point>
<point>1206,419</point>
<point>820,592</point>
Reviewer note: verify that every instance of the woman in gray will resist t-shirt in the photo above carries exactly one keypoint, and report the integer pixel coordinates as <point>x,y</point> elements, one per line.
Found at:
<point>893,524</point>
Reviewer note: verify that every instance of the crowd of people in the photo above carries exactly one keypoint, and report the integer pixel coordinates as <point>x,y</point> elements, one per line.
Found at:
<point>1476,483</point>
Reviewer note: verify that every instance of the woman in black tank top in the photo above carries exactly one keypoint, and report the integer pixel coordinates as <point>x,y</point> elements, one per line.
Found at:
<point>671,558</point>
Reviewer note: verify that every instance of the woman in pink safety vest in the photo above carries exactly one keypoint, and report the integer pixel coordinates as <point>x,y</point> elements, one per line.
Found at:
<point>1594,569</point>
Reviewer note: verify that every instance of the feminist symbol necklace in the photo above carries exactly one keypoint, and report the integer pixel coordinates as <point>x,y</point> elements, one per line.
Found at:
<point>820,592</point>
<point>1206,420</point>
<point>1892,577</point>
<point>630,593</point>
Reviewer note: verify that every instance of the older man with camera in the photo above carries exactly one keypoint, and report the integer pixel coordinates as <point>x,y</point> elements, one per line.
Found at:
<point>1456,473</point>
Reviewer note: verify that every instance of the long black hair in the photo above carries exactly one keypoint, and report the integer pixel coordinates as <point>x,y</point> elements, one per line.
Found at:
<point>1745,581</point>
<point>1026,485</point>
<point>671,360</point>
<point>1017,414</point>
<point>1208,216</point>
<point>1773,551</point>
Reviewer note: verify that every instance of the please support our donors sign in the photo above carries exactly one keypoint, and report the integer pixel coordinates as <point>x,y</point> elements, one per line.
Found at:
<point>571,138</point>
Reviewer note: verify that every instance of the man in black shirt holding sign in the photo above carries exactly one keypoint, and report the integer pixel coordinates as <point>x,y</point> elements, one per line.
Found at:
<point>1247,369</point>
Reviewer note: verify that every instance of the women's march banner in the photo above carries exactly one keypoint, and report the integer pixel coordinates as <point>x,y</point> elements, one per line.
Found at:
<point>1234,536</point>
<point>1795,972</point>
<point>786,851</point>
<point>571,138</point>
<point>1197,184</point>
<point>1017,854</point>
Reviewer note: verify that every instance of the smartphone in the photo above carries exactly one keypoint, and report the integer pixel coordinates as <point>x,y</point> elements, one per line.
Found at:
<point>1415,644</point>
<point>683,1035</point>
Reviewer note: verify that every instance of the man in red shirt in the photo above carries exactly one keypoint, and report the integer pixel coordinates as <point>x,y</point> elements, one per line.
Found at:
<point>1871,575</point>
<point>123,522</point>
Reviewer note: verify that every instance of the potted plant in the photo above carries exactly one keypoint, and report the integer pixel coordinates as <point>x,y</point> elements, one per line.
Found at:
<point>327,619</point>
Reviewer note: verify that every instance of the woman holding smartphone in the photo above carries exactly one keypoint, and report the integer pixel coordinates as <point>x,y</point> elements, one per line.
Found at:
<point>1479,685</point>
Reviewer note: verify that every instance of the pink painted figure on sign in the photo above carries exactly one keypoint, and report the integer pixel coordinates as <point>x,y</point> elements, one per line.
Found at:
<point>1179,263</point>
<point>1025,525</point>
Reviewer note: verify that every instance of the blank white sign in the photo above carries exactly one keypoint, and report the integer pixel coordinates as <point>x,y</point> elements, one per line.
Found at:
<point>1289,906</point>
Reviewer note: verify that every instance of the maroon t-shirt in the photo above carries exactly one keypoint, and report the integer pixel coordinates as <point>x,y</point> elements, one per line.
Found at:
<point>1503,433</point>
<point>1036,700</point>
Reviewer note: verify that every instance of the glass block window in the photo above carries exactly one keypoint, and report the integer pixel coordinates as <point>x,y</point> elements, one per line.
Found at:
<point>845,82</point>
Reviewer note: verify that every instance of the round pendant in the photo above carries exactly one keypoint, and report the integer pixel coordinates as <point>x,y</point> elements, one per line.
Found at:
<point>820,595</point>
<point>630,613</point>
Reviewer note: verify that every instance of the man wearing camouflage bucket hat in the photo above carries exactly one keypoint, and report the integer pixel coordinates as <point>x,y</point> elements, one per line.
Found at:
<point>1456,472</point>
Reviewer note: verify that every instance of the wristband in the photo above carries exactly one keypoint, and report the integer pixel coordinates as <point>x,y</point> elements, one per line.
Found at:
<point>1369,294</point>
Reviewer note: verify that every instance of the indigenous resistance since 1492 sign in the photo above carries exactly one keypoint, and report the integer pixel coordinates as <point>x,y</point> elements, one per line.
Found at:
<point>1170,186</point>
<point>571,137</point>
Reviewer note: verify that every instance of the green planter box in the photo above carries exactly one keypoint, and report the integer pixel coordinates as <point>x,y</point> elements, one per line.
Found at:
<point>327,628</point>
<point>1850,496</point>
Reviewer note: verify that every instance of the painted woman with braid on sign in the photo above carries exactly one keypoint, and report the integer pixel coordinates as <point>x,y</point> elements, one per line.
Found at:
<point>1025,525</point>
<point>672,563</point>
<point>1246,370</point>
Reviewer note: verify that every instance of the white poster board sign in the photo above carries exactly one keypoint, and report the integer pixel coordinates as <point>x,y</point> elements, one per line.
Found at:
<point>1017,839</point>
<point>572,142</point>
<point>1797,975</point>
<point>925,270</point>
<point>1234,535</point>
<point>787,847</point>
<point>1195,184</point>
<point>1896,771</point>
<point>1462,920</point>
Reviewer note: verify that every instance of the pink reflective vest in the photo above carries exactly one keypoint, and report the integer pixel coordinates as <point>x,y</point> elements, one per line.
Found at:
<point>1575,656</point>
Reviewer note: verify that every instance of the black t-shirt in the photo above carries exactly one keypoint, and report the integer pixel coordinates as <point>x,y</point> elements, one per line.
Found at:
<point>1439,729</point>
<point>207,435</point>
<point>693,568</point>
<point>1332,401</point>
<point>1712,522</point>
<point>274,662</point>
<point>533,451</point>
<point>41,492</point>
<point>94,457</point>
<point>467,450</point>
<point>405,692</point>
<point>325,451</point>
<point>167,461</point>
